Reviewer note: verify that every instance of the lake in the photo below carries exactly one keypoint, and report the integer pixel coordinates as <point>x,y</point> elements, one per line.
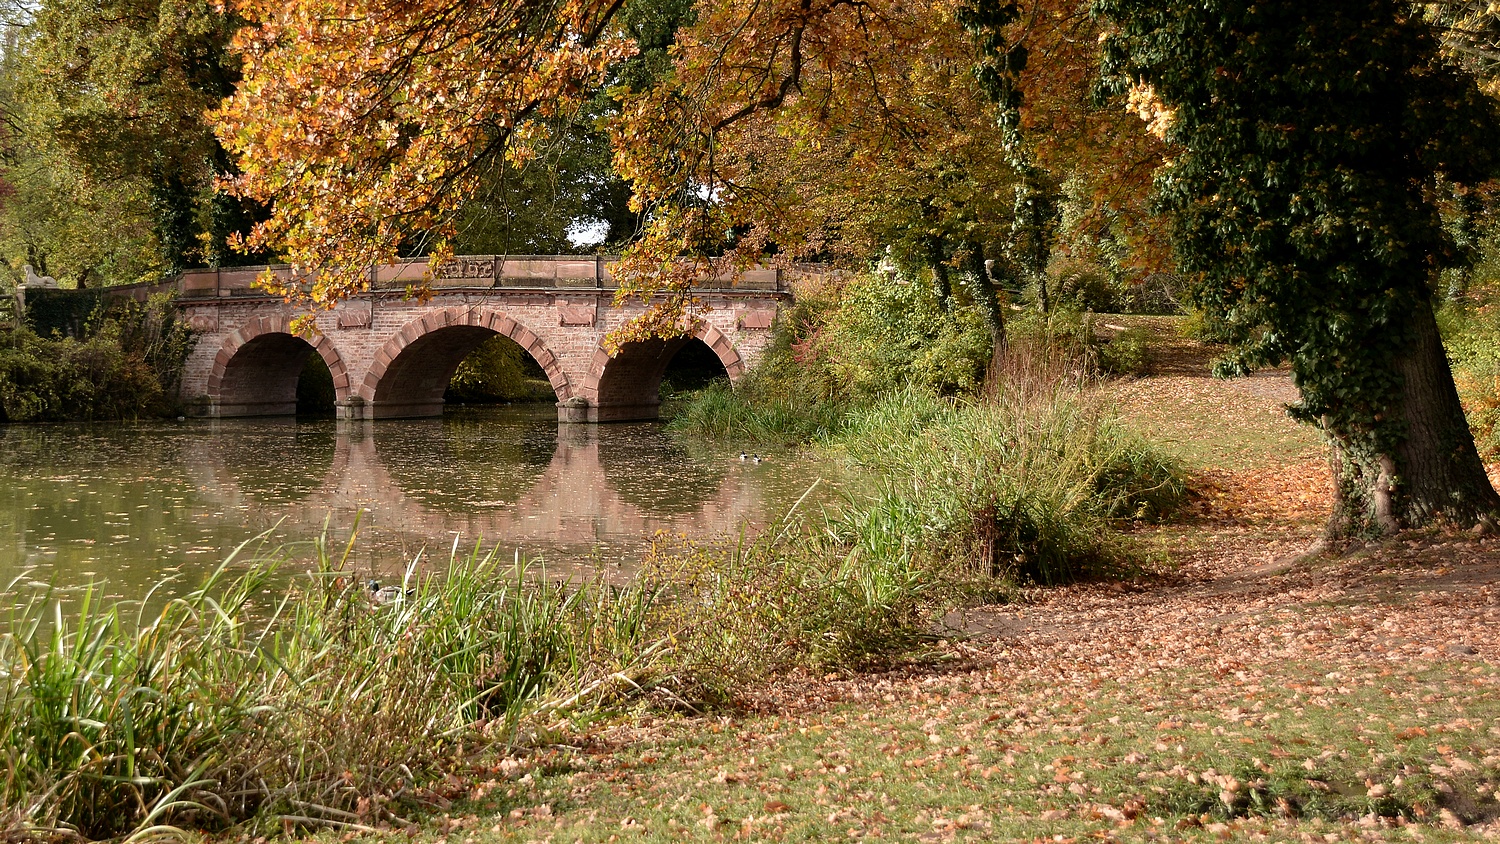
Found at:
<point>129,504</point>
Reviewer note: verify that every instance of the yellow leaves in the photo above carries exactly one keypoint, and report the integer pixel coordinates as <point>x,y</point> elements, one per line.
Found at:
<point>1144,103</point>
<point>359,120</point>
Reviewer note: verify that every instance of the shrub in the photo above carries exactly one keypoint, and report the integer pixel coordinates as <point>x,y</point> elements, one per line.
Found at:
<point>1156,294</point>
<point>842,346</point>
<point>1125,352</point>
<point>869,334</point>
<point>1471,334</point>
<point>127,363</point>
<point>1084,287</point>
<point>1204,328</point>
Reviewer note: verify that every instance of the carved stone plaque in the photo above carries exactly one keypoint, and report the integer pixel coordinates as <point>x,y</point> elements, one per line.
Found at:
<point>477,268</point>
<point>575,314</point>
<point>354,316</point>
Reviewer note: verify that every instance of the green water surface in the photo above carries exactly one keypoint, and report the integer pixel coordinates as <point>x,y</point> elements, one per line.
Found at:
<point>127,504</point>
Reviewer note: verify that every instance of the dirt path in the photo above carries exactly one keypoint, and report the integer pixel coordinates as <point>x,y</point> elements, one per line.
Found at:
<point>1235,564</point>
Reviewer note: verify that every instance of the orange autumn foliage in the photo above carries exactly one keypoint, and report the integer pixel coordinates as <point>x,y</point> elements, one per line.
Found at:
<point>361,122</point>
<point>826,128</point>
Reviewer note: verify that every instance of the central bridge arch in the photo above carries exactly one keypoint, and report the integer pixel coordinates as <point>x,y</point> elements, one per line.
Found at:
<point>411,371</point>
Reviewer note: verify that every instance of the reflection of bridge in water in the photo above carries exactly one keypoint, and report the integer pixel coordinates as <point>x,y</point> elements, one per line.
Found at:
<point>420,482</point>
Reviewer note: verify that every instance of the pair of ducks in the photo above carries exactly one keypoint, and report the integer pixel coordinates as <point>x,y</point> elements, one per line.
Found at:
<point>752,457</point>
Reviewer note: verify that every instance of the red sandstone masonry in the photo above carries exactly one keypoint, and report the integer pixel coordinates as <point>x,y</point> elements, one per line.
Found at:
<point>362,353</point>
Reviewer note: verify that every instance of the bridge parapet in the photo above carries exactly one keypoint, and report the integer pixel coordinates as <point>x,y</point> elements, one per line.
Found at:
<point>516,272</point>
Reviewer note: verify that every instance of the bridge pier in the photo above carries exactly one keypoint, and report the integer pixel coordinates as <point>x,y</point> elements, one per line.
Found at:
<point>391,356</point>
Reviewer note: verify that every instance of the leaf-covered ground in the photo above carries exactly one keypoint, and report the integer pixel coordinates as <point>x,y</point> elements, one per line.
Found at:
<point>1248,693</point>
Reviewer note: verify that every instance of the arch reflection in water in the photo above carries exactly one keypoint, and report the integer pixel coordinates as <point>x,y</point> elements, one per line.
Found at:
<point>131,503</point>
<point>271,462</point>
<point>598,495</point>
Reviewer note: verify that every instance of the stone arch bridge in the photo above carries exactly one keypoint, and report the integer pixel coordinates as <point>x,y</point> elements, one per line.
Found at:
<point>393,356</point>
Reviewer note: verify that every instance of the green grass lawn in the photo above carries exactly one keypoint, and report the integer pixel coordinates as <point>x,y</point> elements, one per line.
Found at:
<point>972,754</point>
<point>1235,424</point>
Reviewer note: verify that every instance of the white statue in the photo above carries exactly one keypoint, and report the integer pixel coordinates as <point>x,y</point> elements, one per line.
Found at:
<point>34,280</point>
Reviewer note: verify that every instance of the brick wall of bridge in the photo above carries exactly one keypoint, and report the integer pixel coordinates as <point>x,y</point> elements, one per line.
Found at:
<point>392,356</point>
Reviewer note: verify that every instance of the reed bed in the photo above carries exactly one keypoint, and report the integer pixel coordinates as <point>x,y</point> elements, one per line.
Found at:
<point>761,415</point>
<point>272,699</point>
<point>1027,484</point>
<point>284,700</point>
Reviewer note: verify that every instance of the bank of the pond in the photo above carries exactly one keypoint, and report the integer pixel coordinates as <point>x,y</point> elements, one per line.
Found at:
<point>1028,484</point>
<point>331,705</point>
<point>322,703</point>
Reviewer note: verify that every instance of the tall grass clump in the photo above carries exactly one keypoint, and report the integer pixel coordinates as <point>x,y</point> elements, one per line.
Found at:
<point>756,413</point>
<point>1027,484</point>
<point>795,596</point>
<point>267,700</point>
<point>276,699</point>
<point>1024,485</point>
<point>1009,469</point>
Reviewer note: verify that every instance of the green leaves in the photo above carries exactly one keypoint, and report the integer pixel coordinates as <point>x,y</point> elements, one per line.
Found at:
<point>111,155</point>
<point>1310,135</point>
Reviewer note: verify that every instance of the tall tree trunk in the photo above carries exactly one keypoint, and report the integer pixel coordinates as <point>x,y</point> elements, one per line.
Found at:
<point>937,261</point>
<point>1435,473</point>
<point>977,278</point>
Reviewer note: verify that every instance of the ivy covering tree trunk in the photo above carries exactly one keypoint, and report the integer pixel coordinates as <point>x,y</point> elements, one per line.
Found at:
<point>1310,138</point>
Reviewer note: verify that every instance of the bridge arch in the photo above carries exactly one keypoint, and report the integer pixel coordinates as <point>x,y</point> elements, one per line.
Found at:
<point>627,386</point>
<point>411,371</point>
<point>255,370</point>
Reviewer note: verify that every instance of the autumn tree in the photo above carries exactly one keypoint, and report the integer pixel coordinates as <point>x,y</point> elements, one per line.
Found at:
<point>844,130</point>
<point>110,99</point>
<point>366,124</point>
<point>799,129</point>
<point>363,124</point>
<point>1309,138</point>
<point>53,214</point>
